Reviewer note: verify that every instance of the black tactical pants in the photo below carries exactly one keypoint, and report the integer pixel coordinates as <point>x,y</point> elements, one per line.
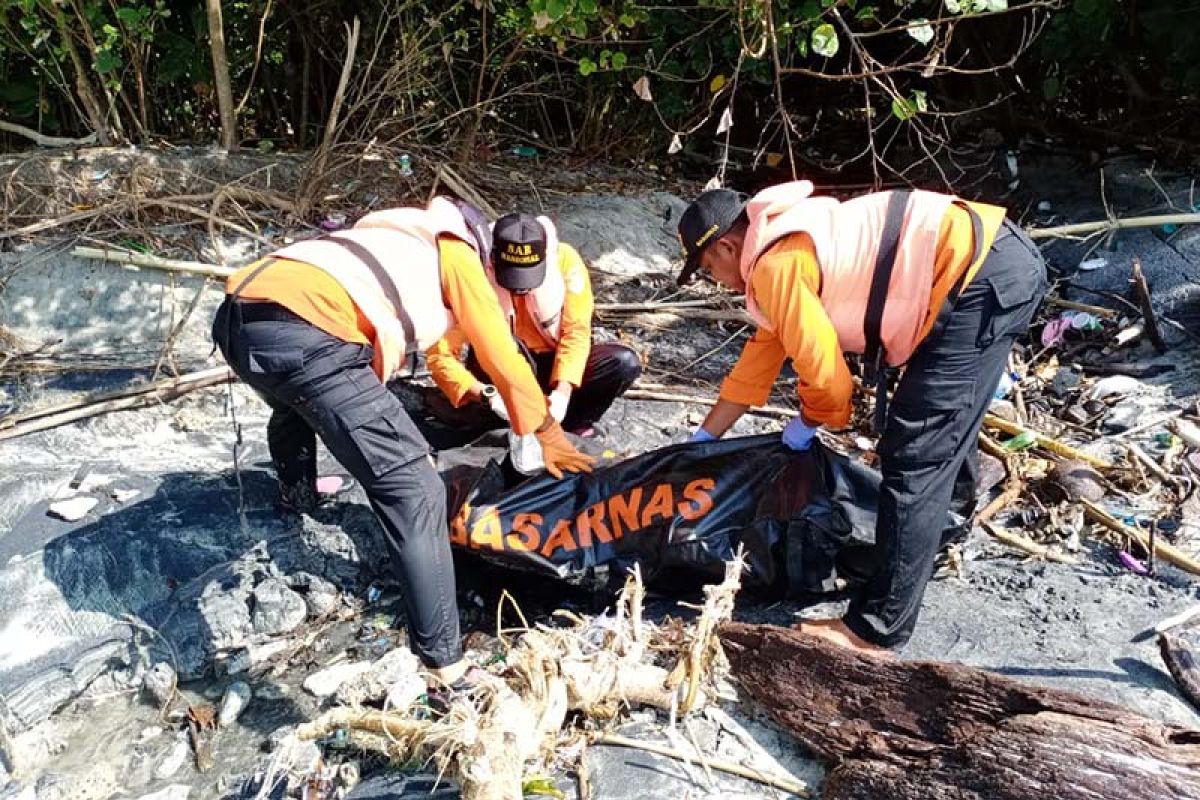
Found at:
<point>319,385</point>
<point>928,452</point>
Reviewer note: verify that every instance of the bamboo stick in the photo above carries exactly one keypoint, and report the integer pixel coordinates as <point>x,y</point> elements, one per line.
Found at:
<point>1164,551</point>
<point>1099,311</point>
<point>1079,228</point>
<point>1027,545</point>
<point>152,262</point>
<point>1045,442</point>
<point>160,392</point>
<point>663,306</point>
<point>787,784</point>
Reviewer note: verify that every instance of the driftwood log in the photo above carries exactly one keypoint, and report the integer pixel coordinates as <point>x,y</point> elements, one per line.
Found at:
<point>917,730</point>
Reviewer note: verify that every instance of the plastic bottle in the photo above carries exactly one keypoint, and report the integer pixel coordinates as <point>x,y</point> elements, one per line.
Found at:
<point>406,170</point>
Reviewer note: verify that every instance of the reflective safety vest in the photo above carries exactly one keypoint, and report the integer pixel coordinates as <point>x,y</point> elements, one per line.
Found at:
<point>846,237</point>
<point>389,265</point>
<point>543,305</point>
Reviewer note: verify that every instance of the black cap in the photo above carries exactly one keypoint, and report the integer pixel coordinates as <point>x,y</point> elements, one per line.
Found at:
<point>519,252</point>
<point>708,218</point>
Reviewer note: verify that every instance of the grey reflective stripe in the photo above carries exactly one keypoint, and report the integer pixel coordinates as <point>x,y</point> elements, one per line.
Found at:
<point>384,279</point>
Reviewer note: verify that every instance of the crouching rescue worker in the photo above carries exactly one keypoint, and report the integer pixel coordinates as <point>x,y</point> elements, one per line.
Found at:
<point>917,280</point>
<point>543,286</point>
<point>319,326</point>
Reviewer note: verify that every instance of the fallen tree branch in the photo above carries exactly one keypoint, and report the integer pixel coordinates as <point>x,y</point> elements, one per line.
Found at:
<point>42,140</point>
<point>786,784</point>
<point>161,392</point>
<point>152,262</point>
<point>465,190</point>
<point>657,306</point>
<point>891,728</point>
<point>1162,550</point>
<point>1099,311</point>
<point>1182,664</point>
<point>1045,442</point>
<point>1104,226</point>
<point>1142,289</point>
<point>1027,545</point>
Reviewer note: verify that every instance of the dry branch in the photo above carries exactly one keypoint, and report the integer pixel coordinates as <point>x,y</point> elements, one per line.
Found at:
<point>461,187</point>
<point>1161,550</point>
<point>1142,290</point>
<point>1104,226</point>
<point>907,730</point>
<point>1183,665</point>
<point>42,140</point>
<point>667,397</point>
<point>160,392</point>
<point>1027,545</point>
<point>786,784</point>
<point>152,262</point>
<point>1045,442</point>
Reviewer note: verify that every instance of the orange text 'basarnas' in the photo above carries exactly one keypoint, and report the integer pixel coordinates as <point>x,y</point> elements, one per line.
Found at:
<point>605,521</point>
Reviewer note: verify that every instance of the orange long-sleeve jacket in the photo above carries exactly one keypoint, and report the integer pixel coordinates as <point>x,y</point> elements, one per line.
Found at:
<point>570,352</point>
<point>315,296</point>
<point>787,282</point>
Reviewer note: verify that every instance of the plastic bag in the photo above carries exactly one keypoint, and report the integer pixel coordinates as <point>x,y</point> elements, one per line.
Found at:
<point>679,512</point>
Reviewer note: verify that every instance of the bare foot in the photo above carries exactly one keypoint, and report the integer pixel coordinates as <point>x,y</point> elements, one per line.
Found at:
<point>835,632</point>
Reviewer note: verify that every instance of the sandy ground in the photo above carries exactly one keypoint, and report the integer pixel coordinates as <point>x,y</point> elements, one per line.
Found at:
<point>66,588</point>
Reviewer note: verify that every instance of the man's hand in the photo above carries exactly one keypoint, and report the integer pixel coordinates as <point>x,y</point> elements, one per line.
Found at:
<point>558,452</point>
<point>558,401</point>
<point>798,434</point>
<point>702,435</point>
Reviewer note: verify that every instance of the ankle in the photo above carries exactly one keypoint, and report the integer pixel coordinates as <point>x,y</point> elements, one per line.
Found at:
<point>450,673</point>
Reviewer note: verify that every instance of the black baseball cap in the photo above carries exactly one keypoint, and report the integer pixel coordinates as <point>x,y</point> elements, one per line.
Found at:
<point>708,218</point>
<point>519,252</point>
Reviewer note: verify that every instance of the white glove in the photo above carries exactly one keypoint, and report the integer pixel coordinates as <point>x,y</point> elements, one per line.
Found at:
<point>495,402</point>
<point>558,405</point>
<point>526,453</point>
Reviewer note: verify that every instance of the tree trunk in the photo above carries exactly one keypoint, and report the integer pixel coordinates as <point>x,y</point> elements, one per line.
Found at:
<point>917,730</point>
<point>83,86</point>
<point>216,38</point>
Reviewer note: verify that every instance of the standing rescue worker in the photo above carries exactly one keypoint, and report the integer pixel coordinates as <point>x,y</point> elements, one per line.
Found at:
<point>318,327</point>
<point>917,280</point>
<point>549,310</point>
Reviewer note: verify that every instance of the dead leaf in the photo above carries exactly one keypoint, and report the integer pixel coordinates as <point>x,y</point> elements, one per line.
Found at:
<point>642,89</point>
<point>717,84</point>
<point>675,146</point>
<point>726,120</point>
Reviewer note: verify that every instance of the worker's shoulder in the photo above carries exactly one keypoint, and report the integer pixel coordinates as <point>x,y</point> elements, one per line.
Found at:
<point>787,249</point>
<point>569,257</point>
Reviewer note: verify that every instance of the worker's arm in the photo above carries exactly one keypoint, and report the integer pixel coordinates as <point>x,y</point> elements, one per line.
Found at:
<point>471,298</point>
<point>575,338</point>
<point>449,372</point>
<point>749,382</point>
<point>722,416</point>
<point>786,281</point>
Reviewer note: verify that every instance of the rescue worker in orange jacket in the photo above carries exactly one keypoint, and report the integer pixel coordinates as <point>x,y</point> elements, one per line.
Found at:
<point>917,280</point>
<point>544,289</point>
<point>318,327</point>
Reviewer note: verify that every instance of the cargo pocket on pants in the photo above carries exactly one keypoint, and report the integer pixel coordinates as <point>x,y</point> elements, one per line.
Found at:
<point>376,440</point>
<point>928,426</point>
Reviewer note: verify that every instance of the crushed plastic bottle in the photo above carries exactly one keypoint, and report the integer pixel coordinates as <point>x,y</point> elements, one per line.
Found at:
<point>524,151</point>
<point>405,162</point>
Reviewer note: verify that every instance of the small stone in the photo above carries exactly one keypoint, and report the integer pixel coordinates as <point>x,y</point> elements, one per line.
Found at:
<point>1078,481</point>
<point>1004,409</point>
<point>273,691</point>
<point>277,609</point>
<point>173,760</point>
<point>404,693</point>
<point>160,682</point>
<point>1063,382</point>
<point>123,495</point>
<point>1077,415</point>
<point>152,732</point>
<point>237,697</point>
<point>72,510</point>
<point>1122,417</point>
<point>328,680</point>
<point>375,683</point>
<point>1113,385</point>
<point>238,662</point>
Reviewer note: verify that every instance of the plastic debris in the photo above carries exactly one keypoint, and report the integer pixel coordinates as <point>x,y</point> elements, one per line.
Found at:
<point>405,164</point>
<point>333,222</point>
<point>1113,385</point>
<point>1022,441</point>
<point>1132,564</point>
<point>72,510</point>
<point>1092,264</point>
<point>524,151</point>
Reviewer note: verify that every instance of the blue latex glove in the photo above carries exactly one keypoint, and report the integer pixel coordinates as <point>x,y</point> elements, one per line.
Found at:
<point>797,435</point>
<point>702,435</point>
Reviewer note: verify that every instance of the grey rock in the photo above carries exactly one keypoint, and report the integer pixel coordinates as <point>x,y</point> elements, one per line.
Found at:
<point>233,703</point>
<point>176,791</point>
<point>1122,417</point>
<point>173,759</point>
<point>1063,382</point>
<point>160,682</point>
<point>397,670</point>
<point>277,609</point>
<point>329,680</point>
<point>321,596</point>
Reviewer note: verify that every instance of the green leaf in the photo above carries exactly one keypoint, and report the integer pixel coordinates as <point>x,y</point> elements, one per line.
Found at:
<point>605,56</point>
<point>825,40</point>
<point>586,66</point>
<point>918,101</point>
<point>802,46</point>
<point>541,786</point>
<point>555,9</point>
<point>903,110</point>
<point>953,6</point>
<point>1051,88</point>
<point>587,6</point>
<point>810,9</point>
<point>619,60</point>
<point>579,28</point>
<point>627,20</point>
<point>130,17</point>
<point>107,61</point>
<point>867,12</point>
<point>995,5</point>
<point>827,3</point>
<point>922,30</point>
